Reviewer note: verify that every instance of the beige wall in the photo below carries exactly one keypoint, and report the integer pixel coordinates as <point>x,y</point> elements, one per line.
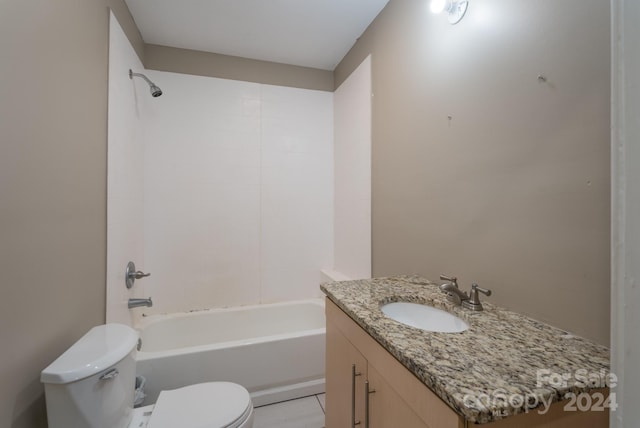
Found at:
<point>513,191</point>
<point>53,147</point>
<point>199,63</point>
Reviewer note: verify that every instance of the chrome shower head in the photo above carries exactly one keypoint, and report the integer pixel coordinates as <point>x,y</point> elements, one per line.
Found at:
<point>155,90</point>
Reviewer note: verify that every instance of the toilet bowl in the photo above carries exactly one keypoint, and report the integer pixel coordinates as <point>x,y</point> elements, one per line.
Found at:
<point>92,385</point>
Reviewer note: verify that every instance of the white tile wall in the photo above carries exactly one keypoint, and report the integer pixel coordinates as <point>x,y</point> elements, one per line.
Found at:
<point>222,189</point>
<point>238,192</point>
<point>297,191</point>
<point>352,113</point>
<point>125,206</point>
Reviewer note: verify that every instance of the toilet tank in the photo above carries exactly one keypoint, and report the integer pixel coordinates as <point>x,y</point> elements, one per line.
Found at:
<point>92,384</point>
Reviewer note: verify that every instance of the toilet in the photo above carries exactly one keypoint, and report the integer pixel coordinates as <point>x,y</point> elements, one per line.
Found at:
<point>92,385</point>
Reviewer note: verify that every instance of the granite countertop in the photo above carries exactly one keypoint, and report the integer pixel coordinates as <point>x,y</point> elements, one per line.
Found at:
<point>504,364</point>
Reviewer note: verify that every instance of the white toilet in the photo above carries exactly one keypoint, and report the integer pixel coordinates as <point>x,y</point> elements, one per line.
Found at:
<point>92,385</point>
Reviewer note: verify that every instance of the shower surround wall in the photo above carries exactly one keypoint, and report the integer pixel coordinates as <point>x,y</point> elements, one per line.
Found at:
<point>125,207</point>
<point>352,172</point>
<point>222,189</point>
<point>238,192</point>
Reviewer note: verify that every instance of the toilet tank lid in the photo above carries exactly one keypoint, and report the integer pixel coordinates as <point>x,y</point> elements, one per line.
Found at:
<point>102,347</point>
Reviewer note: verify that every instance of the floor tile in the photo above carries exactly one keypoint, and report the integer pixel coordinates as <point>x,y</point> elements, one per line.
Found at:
<point>321,400</point>
<point>301,413</point>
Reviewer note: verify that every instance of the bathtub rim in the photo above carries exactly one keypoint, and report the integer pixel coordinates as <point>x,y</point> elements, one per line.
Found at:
<point>142,355</point>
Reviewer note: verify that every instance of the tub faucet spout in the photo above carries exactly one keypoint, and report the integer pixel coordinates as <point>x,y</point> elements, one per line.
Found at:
<point>136,303</point>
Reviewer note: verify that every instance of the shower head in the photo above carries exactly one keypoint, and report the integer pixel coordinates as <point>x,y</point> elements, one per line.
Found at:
<point>155,91</point>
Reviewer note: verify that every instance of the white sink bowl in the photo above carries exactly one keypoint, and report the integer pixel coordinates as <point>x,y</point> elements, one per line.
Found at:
<point>424,317</point>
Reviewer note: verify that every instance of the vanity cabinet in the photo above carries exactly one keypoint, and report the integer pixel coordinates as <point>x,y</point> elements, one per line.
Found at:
<point>366,387</point>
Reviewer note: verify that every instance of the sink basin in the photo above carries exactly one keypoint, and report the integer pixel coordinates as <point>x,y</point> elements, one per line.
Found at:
<point>424,317</point>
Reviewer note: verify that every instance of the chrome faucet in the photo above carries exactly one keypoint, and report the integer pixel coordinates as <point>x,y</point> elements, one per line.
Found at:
<point>469,301</point>
<point>454,295</point>
<point>136,303</point>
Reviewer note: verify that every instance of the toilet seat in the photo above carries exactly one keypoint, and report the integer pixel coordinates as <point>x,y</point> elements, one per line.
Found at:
<point>204,405</point>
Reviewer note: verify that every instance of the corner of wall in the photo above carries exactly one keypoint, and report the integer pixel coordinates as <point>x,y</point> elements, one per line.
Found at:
<point>198,63</point>
<point>123,15</point>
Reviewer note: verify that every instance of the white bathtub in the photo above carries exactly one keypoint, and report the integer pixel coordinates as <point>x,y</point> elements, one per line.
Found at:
<point>276,351</point>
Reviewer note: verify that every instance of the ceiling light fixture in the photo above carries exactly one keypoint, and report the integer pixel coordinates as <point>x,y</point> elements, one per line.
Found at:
<point>455,9</point>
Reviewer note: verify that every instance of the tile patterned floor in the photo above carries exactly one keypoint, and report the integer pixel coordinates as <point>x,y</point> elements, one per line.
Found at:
<point>307,412</point>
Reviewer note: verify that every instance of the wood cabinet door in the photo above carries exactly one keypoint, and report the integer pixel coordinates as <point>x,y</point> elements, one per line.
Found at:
<point>342,387</point>
<point>386,407</point>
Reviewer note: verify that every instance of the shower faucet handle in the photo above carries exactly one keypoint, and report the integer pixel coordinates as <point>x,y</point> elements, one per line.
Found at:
<point>131,274</point>
<point>138,274</point>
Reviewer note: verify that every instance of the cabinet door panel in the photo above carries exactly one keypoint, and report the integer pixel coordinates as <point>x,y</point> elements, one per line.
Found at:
<point>386,408</point>
<point>341,356</point>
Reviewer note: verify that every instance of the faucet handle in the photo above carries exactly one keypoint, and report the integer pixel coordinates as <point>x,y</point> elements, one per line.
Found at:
<point>138,274</point>
<point>131,274</point>
<point>482,290</point>
<point>474,300</point>
<point>451,279</point>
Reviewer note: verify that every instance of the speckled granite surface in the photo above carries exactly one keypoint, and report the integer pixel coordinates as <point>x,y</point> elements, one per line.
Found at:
<point>504,364</point>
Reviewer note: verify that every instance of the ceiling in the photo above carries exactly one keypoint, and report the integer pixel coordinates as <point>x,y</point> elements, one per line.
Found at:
<point>310,33</point>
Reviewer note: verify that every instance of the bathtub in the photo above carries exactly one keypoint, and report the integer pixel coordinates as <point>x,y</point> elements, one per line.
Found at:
<point>276,351</point>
